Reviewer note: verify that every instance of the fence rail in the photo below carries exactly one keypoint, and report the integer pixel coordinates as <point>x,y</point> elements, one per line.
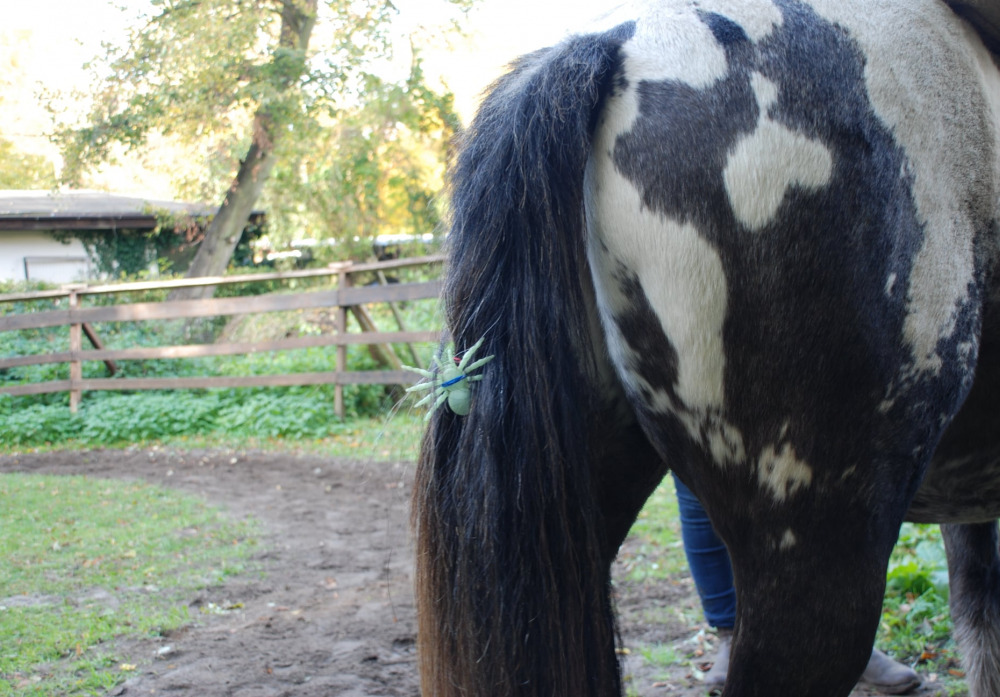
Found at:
<point>345,299</point>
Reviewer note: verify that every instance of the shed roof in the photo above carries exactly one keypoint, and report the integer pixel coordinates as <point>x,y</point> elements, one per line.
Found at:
<point>89,210</point>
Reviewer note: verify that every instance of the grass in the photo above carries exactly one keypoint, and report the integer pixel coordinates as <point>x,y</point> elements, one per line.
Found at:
<point>384,438</point>
<point>660,552</point>
<point>89,560</point>
<point>660,655</point>
<point>916,623</point>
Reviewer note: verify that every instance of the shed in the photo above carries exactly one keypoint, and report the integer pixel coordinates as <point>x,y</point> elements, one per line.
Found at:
<point>63,236</point>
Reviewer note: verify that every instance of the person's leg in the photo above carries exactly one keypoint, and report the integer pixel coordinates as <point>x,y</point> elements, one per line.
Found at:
<point>708,560</point>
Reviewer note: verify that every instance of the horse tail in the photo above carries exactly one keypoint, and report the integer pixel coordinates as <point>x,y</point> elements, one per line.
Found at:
<point>513,566</point>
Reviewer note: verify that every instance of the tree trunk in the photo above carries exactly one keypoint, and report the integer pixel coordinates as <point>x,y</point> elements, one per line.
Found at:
<point>216,249</point>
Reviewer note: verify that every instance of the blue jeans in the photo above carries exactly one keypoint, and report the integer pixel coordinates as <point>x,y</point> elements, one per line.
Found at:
<point>708,560</point>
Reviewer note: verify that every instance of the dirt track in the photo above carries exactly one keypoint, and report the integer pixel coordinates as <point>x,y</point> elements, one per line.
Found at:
<point>331,610</point>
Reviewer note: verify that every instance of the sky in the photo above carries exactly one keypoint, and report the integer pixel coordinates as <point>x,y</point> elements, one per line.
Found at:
<point>54,38</point>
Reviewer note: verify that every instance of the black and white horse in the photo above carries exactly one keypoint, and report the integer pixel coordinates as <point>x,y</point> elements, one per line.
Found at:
<point>752,241</point>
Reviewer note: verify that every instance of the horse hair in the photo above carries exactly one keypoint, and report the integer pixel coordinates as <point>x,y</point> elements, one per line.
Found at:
<point>505,510</point>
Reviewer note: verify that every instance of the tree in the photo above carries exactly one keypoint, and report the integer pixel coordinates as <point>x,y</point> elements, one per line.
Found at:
<point>19,170</point>
<point>199,68</point>
<point>378,168</point>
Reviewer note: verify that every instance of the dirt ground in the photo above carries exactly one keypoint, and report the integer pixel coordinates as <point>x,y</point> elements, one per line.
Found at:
<point>329,610</point>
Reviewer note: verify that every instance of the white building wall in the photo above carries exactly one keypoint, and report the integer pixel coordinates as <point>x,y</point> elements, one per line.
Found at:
<point>38,256</point>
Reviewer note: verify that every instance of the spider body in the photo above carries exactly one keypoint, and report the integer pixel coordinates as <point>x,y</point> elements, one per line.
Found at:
<point>449,380</point>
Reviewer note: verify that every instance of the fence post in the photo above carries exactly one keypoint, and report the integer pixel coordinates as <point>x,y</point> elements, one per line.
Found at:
<point>338,390</point>
<point>75,347</point>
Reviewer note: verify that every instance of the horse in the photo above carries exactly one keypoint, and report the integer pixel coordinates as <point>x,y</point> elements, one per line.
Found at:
<point>754,242</point>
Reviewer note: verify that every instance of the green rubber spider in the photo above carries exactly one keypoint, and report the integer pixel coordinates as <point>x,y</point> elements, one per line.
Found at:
<point>450,382</point>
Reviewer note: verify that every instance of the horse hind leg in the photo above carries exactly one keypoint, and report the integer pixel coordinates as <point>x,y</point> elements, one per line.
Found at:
<point>974,571</point>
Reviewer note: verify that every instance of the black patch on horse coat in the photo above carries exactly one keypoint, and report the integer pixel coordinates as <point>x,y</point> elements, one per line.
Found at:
<point>808,319</point>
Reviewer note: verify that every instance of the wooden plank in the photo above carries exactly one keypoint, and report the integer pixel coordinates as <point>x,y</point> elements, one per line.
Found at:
<point>201,350</point>
<point>37,388</point>
<point>396,292</point>
<point>372,377</point>
<point>75,365</point>
<point>212,307</point>
<point>332,270</point>
<point>37,359</point>
<point>36,295</point>
<point>394,309</point>
<point>95,341</point>
<point>343,281</point>
<point>174,309</point>
<point>397,263</point>
<point>383,353</point>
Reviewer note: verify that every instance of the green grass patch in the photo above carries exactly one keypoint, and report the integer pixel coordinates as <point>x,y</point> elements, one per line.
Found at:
<point>916,623</point>
<point>291,416</point>
<point>387,438</point>
<point>662,656</point>
<point>660,552</point>
<point>88,560</point>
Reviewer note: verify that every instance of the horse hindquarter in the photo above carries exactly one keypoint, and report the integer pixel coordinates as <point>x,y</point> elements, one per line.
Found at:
<point>790,237</point>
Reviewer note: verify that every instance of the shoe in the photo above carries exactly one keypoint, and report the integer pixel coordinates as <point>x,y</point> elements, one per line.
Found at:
<point>888,676</point>
<point>716,677</point>
<point>882,673</point>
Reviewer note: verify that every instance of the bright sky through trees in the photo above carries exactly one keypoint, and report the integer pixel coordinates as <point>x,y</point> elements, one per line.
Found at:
<point>45,43</point>
<point>63,34</point>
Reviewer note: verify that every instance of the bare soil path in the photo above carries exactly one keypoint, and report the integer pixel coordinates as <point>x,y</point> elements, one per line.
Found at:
<point>329,609</point>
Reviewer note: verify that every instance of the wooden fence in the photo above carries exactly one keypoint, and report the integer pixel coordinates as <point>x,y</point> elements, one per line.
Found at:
<point>345,298</point>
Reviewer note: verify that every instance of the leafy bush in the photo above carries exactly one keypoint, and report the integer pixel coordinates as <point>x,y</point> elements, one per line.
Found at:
<point>916,622</point>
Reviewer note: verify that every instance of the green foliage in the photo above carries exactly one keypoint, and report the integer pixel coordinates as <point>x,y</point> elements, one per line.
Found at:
<point>660,553</point>
<point>89,560</point>
<point>916,621</point>
<point>19,170</point>
<point>109,419</point>
<point>169,247</point>
<point>377,169</point>
<point>357,154</point>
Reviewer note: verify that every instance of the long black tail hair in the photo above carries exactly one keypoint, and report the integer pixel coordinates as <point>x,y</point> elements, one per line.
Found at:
<point>513,585</point>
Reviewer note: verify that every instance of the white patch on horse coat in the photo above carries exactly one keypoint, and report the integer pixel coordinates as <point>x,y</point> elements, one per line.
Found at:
<point>670,43</point>
<point>765,164</point>
<point>931,112</point>
<point>725,442</point>
<point>890,283</point>
<point>788,540</point>
<point>675,43</point>
<point>676,33</point>
<point>678,270</point>
<point>758,19</point>
<point>691,304</point>
<point>782,471</point>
